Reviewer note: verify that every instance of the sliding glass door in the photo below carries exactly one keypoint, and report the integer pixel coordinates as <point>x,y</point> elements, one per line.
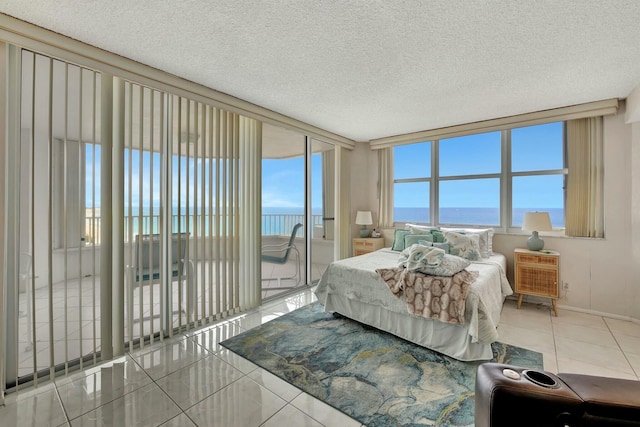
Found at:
<point>135,213</point>
<point>132,216</point>
<point>298,209</point>
<point>284,223</point>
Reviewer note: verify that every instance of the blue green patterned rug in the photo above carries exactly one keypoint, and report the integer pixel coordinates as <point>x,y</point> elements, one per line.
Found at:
<point>374,377</point>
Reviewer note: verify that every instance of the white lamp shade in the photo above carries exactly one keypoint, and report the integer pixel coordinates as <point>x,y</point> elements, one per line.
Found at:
<point>536,221</point>
<point>364,218</point>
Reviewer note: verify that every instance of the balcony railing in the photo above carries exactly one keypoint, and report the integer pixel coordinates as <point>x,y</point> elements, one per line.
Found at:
<point>272,225</point>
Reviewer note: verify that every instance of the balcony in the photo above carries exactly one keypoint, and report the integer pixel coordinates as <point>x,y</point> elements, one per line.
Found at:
<point>75,296</point>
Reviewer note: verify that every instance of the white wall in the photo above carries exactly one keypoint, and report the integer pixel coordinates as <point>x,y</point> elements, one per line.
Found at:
<point>364,180</point>
<point>603,274</point>
<point>600,272</point>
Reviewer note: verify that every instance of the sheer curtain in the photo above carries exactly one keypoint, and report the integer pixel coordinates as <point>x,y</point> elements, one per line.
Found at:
<point>385,187</point>
<point>585,204</point>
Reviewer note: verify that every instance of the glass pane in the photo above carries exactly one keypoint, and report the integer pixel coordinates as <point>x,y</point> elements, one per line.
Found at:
<point>470,155</point>
<point>283,207</point>
<point>470,201</point>
<point>411,202</point>
<point>282,195</point>
<point>92,194</point>
<point>542,193</point>
<point>412,161</point>
<point>317,196</point>
<point>535,148</point>
<point>322,207</point>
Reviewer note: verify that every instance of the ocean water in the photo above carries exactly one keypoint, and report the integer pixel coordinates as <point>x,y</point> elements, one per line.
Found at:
<point>474,216</point>
<point>280,220</point>
<point>275,220</point>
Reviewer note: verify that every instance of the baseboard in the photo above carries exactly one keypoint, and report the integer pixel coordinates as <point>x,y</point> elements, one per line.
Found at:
<point>547,302</point>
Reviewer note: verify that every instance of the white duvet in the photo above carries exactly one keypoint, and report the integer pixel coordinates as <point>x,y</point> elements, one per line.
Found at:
<point>356,279</point>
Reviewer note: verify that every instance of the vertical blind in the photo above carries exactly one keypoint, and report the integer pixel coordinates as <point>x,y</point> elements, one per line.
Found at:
<point>54,320</point>
<point>585,180</point>
<point>199,223</point>
<point>189,204</point>
<point>385,187</point>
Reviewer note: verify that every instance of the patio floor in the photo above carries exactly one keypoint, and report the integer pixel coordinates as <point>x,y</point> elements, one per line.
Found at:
<point>76,315</point>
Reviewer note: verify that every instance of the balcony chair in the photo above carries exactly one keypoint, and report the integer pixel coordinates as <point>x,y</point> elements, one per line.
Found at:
<point>146,271</point>
<point>279,254</point>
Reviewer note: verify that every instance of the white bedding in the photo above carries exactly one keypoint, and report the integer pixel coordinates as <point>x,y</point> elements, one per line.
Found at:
<point>353,288</point>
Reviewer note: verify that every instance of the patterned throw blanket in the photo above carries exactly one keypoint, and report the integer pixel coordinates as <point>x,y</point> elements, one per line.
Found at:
<point>434,297</point>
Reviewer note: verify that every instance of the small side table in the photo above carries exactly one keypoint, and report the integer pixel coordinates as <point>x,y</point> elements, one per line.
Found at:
<point>364,245</point>
<point>537,273</point>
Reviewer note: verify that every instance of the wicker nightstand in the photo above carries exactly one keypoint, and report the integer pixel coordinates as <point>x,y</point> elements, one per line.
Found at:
<point>537,273</point>
<point>364,245</point>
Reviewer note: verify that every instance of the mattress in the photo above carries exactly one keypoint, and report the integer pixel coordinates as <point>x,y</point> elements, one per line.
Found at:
<point>352,287</point>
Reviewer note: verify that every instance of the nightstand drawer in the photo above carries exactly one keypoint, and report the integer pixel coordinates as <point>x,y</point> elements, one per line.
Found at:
<point>365,245</point>
<point>537,259</point>
<point>537,281</point>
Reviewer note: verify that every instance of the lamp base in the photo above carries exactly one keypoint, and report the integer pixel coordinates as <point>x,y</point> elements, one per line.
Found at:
<point>364,232</point>
<point>535,243</point>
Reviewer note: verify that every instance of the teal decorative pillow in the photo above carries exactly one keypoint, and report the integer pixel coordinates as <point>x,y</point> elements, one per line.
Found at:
<point>444,246</point>
<point>412,239</point>
<point>464,246</point>
<point>449,266</point>
<point>438,236</point>
<point>398,239</point>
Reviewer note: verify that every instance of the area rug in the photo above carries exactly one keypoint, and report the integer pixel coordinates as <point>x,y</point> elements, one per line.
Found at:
<point>374,377</point>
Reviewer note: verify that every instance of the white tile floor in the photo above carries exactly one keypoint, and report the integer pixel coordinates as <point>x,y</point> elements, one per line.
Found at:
<point>191,380</point>
<point>574,342</point>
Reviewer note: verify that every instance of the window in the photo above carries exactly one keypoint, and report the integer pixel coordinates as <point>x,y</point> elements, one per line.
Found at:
<point>469,181</point>
<point>487,179</point>
<point>537,162</point>
<point>411,188</point>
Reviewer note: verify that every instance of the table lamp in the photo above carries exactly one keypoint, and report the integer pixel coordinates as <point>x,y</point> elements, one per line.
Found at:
<point>534,222</point>
<point>363,218</point>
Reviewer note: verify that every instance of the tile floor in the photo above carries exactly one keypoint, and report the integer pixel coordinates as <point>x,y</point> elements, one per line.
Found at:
<point>191,380</point>
<point>574,342</point>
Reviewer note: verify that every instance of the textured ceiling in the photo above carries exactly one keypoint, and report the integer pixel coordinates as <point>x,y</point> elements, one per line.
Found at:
<point>370,69</point>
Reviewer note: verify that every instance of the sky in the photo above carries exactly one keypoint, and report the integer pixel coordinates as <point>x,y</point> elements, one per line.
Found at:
<point>533,148</point>
<point>283,182</point>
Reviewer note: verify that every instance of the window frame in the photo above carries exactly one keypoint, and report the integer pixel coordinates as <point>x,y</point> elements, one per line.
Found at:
<point>505,177</point>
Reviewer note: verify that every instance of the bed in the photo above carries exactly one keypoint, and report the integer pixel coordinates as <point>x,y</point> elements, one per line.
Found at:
<point>353,288</point>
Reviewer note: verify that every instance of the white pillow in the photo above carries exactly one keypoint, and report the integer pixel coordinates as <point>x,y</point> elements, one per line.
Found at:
<point>417,257</point>
<point>485,235</point>
<point>449,266</point>
<point>419,229</point>
<point>463,245</point>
